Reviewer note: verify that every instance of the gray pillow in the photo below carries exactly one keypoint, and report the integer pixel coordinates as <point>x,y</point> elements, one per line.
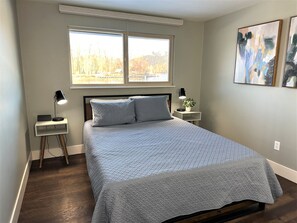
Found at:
<point>112,112</point>
<point>151,108</point>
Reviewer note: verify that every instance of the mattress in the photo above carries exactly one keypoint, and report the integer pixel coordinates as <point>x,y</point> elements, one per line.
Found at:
<point>158,170</point>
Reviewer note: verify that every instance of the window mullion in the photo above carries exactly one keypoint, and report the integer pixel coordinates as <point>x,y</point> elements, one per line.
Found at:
<point>126,59</point>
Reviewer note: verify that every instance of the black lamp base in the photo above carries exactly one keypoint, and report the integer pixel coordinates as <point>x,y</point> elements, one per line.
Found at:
<point>181,109</point>
<point>57,119</point>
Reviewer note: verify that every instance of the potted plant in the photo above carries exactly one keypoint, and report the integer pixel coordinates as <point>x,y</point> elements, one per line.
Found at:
<point>189,103</point>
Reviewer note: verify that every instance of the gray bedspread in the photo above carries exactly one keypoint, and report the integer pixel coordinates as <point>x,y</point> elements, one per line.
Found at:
<point>155,171</point>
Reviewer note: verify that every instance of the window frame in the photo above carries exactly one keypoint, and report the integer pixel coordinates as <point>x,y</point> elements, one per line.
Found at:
<point>125,36</point>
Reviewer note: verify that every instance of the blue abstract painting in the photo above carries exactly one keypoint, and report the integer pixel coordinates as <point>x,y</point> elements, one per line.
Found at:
<point>290,72</point>
<point>257,54</point>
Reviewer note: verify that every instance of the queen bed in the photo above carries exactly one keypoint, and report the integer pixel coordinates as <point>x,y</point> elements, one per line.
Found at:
<point>155,168</point>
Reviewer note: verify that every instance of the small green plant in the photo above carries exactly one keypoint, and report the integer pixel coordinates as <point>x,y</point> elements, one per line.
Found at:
<point>189,102</point>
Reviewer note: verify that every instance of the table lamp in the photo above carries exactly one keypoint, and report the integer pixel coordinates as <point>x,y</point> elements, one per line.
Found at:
<point>59,99</point>
<point>182,96</point>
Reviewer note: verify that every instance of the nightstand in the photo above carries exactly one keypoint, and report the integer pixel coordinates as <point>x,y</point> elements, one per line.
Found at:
<point>52,128</point>
<point>192,116</point>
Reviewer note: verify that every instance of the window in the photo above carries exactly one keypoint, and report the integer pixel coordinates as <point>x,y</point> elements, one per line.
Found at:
<point>96,58</point>
<point>119,59</point>
<point>148,59</point>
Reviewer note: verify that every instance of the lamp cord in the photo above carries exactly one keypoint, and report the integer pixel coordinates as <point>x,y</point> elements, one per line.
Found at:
<point>48,149</point>
<point>59,144</point>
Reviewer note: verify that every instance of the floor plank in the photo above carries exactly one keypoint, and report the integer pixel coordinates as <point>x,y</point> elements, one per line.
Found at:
<point>58,193</point>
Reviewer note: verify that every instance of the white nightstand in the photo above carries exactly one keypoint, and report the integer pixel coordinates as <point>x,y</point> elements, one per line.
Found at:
<point>192,116</point>
<point>52,128</point>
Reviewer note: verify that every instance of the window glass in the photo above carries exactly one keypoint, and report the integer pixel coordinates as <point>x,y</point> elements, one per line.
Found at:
<point>96,58</point>
<point>148,59</point>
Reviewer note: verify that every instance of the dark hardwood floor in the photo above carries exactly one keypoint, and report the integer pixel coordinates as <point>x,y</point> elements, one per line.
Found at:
<point>58,193</point>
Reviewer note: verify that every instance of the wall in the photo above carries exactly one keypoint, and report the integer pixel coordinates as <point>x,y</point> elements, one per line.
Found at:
<point>255,116</point>
<point>44,43</point>
<point>13,120</point>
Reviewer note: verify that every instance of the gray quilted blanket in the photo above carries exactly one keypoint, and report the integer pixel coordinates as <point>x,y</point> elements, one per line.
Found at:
<point>155,171</point>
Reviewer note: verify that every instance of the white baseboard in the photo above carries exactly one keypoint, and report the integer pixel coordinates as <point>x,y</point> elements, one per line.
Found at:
<point>19,199</point>
<point>54,152</point>
<point>284,171</point>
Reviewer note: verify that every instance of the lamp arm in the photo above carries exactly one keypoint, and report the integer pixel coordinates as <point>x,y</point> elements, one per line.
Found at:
<point>55,110</point>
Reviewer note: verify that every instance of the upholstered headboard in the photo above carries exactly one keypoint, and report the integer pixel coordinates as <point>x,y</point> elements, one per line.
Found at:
<point>88,108</point>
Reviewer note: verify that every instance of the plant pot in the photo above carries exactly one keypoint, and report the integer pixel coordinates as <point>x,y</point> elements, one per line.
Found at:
<point>188,109</point>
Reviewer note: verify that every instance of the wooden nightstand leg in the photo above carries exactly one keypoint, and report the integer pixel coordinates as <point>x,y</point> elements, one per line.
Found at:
<point>64,147</point>
<point>42,147</point>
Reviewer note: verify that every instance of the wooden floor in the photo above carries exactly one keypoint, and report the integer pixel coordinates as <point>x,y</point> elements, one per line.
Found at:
<point>58,193</point>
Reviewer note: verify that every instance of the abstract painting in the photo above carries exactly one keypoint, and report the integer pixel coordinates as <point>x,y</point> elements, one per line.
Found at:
<point>257,53</point>
<point>290,73</point>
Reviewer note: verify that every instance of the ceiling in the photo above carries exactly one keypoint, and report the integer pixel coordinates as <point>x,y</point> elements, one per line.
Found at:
<point>195,10</point>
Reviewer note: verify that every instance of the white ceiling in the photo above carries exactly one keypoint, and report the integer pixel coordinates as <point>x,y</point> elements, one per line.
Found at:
<point>196,10</point>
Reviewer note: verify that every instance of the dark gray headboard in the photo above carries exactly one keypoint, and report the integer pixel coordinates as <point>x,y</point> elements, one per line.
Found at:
<point>88,109</point>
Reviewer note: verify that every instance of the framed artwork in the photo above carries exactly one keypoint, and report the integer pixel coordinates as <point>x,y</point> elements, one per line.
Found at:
<point>257,53</point>
<point>290,72</point>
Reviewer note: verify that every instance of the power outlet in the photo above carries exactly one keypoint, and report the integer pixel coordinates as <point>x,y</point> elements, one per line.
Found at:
<point>276,145</point>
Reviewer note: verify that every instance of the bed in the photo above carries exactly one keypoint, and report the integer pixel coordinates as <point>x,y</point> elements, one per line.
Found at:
<point>162,170</point>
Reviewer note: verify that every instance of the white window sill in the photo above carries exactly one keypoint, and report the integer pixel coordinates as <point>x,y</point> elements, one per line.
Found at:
<point>119,87</point>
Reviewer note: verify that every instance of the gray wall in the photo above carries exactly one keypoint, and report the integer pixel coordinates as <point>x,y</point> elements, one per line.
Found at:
<point>255,116</point>
<point>44,44</point>
<point>13,118</point>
